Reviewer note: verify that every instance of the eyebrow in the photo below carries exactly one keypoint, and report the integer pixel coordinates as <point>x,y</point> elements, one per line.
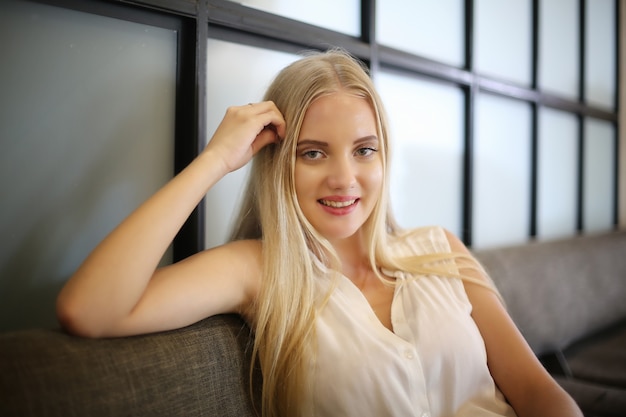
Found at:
<point>322,144</point>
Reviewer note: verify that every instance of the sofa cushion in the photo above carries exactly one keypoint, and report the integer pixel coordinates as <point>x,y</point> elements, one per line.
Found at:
<point>601,358</point>
<point>196,371</point>
<point>595,400</point>
<point>559,291</point>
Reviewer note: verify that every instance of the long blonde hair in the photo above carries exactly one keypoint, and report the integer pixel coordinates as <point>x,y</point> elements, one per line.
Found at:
<point>292,250</point>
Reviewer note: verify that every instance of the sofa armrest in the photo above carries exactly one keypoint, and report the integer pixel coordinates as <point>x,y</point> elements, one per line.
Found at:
<point>195,371</point>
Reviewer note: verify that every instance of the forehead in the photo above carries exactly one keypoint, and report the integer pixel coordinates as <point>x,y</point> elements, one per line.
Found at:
<point>339,114</point>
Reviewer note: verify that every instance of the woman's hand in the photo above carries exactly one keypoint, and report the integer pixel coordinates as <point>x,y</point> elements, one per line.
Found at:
<point>244,130</point>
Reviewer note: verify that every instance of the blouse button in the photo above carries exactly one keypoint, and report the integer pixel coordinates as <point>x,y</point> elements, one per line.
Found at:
<point>425,414</point>
<point>409,354</point>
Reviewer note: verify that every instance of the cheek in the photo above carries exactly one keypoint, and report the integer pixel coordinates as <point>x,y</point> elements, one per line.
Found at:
<point>301,181</point>
<point>374,178</point>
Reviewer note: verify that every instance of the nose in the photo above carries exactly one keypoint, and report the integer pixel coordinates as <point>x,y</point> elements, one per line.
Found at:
<point>341,173</point>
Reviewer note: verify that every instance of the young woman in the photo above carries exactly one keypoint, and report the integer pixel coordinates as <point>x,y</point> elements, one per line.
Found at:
<point>352,316</point>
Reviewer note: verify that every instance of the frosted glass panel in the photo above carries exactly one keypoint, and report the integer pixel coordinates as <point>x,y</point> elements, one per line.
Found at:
<point>433,29</point>
<point>557,174</point>
<point>339,15</point>
<point>503,39</point>
<point>599,179</point>
<point>87,133</point>
<point>501,209</point>
<point>426,122</point>
<point>558,47</point>
<point>231,81</point>
<point>600,59</point>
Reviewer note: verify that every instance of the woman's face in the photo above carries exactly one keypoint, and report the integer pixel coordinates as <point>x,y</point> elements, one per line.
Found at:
<point>338,171</point>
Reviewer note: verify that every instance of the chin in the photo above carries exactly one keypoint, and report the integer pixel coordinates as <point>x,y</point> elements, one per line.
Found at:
<point>339,234</point>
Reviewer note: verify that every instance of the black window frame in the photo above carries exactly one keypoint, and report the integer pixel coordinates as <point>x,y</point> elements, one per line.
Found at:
<point>198,20</point>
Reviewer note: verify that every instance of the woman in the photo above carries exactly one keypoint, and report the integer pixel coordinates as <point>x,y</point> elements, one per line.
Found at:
<point>352,316</point>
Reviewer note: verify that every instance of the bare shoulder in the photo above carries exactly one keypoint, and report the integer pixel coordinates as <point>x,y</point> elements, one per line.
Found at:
<point>239,260</point>
<point>246,257</point>
<point>247,252</point>
<point>224,279</point>
<point>244,249</point>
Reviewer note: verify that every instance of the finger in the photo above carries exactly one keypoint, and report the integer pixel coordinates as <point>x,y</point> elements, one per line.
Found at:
<point>271,115</point>
<point>280,128</point>
<point>274,119</point>
<point>262,106</point>
<point>264,138</point>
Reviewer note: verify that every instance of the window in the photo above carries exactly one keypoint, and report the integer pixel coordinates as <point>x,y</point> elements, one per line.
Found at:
<point>504,117</point>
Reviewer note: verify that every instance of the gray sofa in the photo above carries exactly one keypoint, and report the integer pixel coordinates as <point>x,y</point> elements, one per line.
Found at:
<point>568,297</point>
<point>200,370</point>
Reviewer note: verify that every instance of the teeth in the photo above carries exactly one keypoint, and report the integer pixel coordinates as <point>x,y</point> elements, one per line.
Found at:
<point>337,204</point>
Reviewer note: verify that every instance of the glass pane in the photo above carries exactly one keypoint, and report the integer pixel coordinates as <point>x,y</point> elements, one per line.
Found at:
<point>600,58</point>
<point>426,122</point>
<point>599,179</point>
<point>501,206</point>
<point>338,15</point>
<point>557,174</point>
<point>87,128</point>
<point>502,44</point>
<point>558,47</point>
<point>231,81</point>
<point>433,29</point>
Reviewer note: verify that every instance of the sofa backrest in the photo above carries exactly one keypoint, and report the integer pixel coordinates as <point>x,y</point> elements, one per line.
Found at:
<point>201,370</point>
<point>559,291</point>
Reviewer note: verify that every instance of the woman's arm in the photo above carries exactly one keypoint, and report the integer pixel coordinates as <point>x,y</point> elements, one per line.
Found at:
<point>525,383</point>
<point>118,291</point>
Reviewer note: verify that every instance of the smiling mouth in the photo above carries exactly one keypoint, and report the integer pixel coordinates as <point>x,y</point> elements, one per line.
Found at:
<point>337,204</point>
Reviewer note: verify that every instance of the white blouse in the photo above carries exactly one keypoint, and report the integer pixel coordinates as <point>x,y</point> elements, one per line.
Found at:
<point>434,362</point>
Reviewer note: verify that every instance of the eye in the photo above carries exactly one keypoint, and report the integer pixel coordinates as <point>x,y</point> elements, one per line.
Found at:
<point>312,155</point>
<point>366,151</point>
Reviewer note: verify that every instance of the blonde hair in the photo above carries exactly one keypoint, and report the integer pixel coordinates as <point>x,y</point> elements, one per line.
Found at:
<point>293,252</point>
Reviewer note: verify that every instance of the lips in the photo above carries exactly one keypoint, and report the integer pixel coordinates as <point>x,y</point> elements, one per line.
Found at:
<point>337,204</point>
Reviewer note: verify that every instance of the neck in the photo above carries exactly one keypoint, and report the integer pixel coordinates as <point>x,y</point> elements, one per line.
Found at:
<point>353,254</point>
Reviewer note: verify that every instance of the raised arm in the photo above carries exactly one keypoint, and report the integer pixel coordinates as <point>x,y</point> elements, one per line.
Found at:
<point>118,291</point>
<point>528,387</point>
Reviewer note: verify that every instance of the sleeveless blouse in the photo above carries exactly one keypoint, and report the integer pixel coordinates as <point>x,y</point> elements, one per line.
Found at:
<point>433,364</point>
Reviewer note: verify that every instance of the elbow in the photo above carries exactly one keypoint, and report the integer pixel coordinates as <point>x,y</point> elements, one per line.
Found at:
<point>74,318</point>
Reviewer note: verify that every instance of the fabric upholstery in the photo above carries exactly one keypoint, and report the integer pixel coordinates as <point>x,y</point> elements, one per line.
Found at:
<point>595,400</point>
<point>559,291</point>
<point>601,359</point>
<point>567,297</point>
<point>201,370</point>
